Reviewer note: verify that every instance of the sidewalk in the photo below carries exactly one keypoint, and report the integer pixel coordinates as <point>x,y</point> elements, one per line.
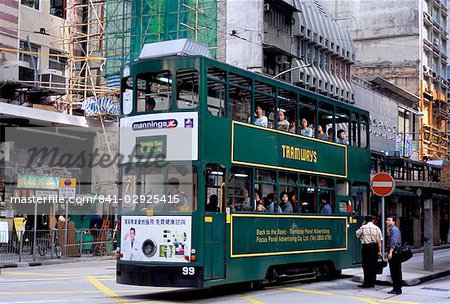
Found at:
<point>62,260</point>
<point>413,272</point>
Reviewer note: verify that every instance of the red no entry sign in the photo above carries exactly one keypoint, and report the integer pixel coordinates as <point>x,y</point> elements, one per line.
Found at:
<point>382,184</point>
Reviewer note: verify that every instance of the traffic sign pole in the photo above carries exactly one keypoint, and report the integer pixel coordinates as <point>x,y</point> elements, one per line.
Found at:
<point>382,184</point>
<point>383,228</point>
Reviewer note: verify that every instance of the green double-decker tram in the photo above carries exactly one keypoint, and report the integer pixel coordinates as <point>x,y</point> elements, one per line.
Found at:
<point>230,176</point>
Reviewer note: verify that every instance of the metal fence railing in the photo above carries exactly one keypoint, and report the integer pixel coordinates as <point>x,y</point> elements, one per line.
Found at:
<point>17,246</point>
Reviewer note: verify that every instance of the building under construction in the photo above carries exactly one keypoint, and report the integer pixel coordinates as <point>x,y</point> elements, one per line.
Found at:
<point>131,24</point>
<point>52,57</point>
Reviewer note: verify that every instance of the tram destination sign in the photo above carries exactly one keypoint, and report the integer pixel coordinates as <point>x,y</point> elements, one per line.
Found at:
<point>262,147</point>
<point>267,235</point>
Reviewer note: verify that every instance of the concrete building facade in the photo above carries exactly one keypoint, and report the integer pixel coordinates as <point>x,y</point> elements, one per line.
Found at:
<point>283,35</point>
<point>406,46</point>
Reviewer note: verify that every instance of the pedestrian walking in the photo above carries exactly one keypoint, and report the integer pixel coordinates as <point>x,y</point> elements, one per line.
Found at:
<point>395,265</point>
<point>371,238</point>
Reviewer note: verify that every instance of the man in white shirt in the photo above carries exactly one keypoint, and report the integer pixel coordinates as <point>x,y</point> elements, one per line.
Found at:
<point>131,248</point>
<point>371,238</point>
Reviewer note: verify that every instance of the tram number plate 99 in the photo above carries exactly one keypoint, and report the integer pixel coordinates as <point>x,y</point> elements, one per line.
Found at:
<point>188,271</point>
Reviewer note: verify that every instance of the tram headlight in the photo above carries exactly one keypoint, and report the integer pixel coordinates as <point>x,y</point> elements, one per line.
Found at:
<point>149,248</point>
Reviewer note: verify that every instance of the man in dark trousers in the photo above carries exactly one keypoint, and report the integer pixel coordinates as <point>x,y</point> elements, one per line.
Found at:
<point>370,236</point>
<point>395,265</point>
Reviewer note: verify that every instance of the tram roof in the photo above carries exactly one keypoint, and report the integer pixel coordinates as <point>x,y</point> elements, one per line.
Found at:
<point>256,76</point>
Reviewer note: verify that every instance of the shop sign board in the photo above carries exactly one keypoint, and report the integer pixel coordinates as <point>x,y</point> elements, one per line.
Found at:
<point>67,187</point>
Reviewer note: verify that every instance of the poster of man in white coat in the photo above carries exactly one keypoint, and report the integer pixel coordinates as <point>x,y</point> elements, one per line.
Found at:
<point>131,248</point>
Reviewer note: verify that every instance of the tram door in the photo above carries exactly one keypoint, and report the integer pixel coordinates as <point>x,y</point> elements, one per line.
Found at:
<point>346,205</point>
<point>214,222</point>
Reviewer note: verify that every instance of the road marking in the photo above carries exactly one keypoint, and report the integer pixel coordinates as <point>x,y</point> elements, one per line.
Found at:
<point>308,291</point>
<point>16,273</point>
<point>100,286</point>
<point>397,302</point>
<point>367,300</point>
<point>251,300</point>
<point>363,299</point>
<point>102,278</point>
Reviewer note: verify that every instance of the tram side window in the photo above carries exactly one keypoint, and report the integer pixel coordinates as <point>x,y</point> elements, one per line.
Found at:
<point>287,183</point>
<point>264,107</point>
<point>187,89</point>
<point>360,194</point>
<point>342,126</point>
<point>239,104</point>
<point>325,127</point>
<point>364,132</point>
<point>216,98</point>
<point>239,189</point>
<point>265,183</point>
<point>240,97</point>
<point>287,111</point>
<point>154,91</point>
<point>307,113</point>
<point>127,95</point>
<point>215,181</point>
<point>325,194</point>
<point>307,197</point>
<point>355,130</point>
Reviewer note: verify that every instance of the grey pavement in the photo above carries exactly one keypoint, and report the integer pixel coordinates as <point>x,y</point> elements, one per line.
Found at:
<point>63,260</point>
<point>413,270</point>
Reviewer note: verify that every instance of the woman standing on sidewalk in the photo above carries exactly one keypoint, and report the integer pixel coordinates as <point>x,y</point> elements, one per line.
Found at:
<point>395,265</point>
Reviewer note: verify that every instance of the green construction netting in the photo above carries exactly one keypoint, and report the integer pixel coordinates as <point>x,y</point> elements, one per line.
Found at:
<point>132,23</point>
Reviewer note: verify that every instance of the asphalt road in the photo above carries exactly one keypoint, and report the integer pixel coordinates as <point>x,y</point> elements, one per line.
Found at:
<point>94,282</point>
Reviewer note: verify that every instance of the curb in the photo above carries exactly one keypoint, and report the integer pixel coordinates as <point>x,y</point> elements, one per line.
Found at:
<point>54,262</point>
<point>410,282</point>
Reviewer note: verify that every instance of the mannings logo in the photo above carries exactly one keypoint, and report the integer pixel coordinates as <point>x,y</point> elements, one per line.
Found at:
<point>155,124</point>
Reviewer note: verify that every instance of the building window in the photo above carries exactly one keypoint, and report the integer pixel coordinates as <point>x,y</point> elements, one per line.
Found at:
<point>58,8</point>
<point>57,62</point>
<point>29,54</point>
<point>31,3</point>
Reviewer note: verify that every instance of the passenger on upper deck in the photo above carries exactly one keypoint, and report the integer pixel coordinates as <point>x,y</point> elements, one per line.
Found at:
<point>292,127</point>
<point>341,137</point>
<point>286,206</point>
<point>330,133</point>
<point>321,134</point>
<point>283,124</point>
<point>261,120</point>
<point>150,104</point>
<point>304,129</point>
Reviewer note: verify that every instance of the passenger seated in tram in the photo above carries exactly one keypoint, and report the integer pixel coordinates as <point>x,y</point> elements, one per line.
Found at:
<point>304,129</point>
<point>150,104</point>
<point>260,120</point>
<point>293,198</point>
<point>286,206</point>
<point>283,124</point>
<point>321,134</point>
<point>292,127</point>
<point>330,133</point>
<point>305,208</point>
<point>341,137</point>
<point>259,202</point>
<point>240,106</point>
<point>270,202</point>
<point>213,203</point>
